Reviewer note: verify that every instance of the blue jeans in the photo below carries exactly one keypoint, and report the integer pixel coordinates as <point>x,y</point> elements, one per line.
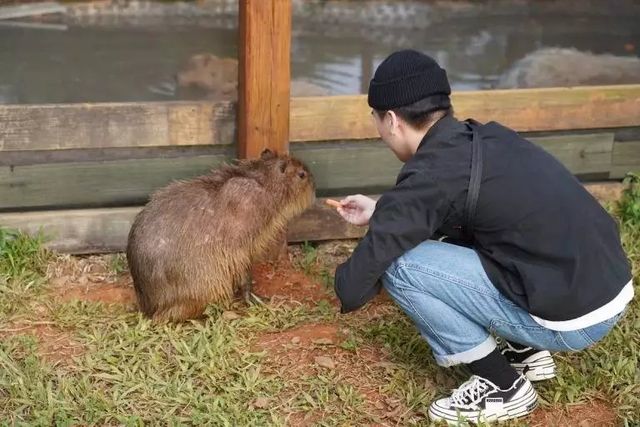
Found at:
<point>444,289</point>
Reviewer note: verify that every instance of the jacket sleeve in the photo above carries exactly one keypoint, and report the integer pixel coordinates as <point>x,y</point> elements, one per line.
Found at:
<point>404,217</point>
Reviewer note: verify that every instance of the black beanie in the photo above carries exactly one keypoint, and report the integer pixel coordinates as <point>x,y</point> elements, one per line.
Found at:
<point>405,77</point>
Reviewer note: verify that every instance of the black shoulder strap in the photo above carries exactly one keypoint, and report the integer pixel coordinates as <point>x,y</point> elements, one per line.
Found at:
<point>474,181</point>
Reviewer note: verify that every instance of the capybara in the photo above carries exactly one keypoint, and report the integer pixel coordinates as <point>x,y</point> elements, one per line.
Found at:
<point>549,67</point>
<point>217,79</point>
<point>195,241</point>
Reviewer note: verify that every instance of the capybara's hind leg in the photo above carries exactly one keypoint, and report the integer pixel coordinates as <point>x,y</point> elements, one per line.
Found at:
<point>245,285</point>
<point>180,311</point>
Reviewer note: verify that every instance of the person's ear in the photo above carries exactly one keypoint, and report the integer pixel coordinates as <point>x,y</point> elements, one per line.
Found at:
<point>393,122</point>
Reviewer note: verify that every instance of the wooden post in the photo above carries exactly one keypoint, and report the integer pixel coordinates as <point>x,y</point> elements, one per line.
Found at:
<point>264,76</point>
<point>264,85</point>
<point>366,70</point>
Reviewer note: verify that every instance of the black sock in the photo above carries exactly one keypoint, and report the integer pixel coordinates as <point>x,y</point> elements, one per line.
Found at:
<point>495,368</point>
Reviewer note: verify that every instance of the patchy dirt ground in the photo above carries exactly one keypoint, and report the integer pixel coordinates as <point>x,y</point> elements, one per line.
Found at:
<point>592,414</point>
<point>307,350</point>
<point>54,345</point>
<point>319,349</point>
<point>283,281</point>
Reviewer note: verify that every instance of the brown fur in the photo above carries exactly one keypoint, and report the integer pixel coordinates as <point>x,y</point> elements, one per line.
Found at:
<point>195,241</point>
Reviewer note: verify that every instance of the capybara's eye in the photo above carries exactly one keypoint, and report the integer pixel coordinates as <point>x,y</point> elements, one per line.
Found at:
<point>302,174</point>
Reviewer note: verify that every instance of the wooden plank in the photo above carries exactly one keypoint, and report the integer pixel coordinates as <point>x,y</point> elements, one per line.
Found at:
<point>264,74</point>
<point>106,230</point>
<point>95,183</point>
<point>581,154</point>
<point>626,158</point>
<point>588,107</point>
<point>73,126</point>
<point>69,126</point>
<point>343,166</point>
<point>23,158</point>
<point>77,231</point>
<point>322,222</point>
<point>30,9</point>
<point>337,167</point>
<point>34,25</point>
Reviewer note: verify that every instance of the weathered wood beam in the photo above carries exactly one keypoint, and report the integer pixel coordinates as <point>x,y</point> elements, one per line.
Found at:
<point>30,9</point>
<point>149,124</point>
<point>626,158</point>
<point>338,167</point>
<point>587,107</point>
<point>112,125</point>
<point>580,153</point>
<point>106,230</point>
<point>264,75</point>
<point>94,184</point>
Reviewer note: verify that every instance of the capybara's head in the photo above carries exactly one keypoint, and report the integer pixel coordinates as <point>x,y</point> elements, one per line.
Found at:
<point>288,179</point>
<point>209,73</point>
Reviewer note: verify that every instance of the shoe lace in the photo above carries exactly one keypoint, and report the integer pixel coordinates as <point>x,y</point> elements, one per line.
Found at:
<point>469,392</point>
<point>503,345</point>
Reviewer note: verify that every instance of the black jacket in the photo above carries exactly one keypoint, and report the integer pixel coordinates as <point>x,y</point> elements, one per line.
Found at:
<point>543,240</point>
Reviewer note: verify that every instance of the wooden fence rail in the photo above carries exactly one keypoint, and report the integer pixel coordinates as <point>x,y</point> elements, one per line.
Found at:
<point>150,124</point>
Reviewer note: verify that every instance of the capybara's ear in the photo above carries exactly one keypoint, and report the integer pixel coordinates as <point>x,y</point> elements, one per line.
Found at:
<point>283,165</point>
<point>268,154</point>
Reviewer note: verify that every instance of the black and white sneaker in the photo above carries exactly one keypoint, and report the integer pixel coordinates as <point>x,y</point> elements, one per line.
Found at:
<point>480,400</point>
<point>536,365</point>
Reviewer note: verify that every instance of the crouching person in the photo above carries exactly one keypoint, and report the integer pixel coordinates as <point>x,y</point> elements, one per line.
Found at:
<point>484,235</point>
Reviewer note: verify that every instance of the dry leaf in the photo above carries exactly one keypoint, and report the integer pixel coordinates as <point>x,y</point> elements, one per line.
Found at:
<point>230,315</point>
<point>325,362</point>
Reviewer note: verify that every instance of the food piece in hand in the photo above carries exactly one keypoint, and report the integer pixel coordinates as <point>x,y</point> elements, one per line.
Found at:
<point>333,203</point>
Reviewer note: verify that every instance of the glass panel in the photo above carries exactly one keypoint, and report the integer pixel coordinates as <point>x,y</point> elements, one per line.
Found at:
<point>133,51</point>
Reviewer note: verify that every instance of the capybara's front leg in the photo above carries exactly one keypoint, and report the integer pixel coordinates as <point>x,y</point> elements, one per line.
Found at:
<point>245,285</point>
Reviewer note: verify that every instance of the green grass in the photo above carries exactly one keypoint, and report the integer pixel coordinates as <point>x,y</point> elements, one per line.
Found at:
<point>118,263</point>
<point>23,263</point>
<point>311,264</point>
<point>132,372</point>
<point>21,255</point>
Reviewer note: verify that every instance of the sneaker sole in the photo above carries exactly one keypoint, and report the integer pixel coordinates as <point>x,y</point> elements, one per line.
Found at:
<point>512,410</point>
<point>541,368</point>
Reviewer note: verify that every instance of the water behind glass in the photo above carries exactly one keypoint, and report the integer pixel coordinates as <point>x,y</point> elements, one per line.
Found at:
<point>138,63</point>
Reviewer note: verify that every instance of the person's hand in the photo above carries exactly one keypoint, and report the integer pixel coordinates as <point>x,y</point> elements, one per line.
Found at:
<point>357,209</point>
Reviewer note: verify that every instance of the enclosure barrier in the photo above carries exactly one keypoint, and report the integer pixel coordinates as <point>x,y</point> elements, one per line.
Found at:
<point>81,171</point>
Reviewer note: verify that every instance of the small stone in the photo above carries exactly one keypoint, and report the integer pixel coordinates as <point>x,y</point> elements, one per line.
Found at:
<point>323,341</point>
<point>295,340</point>
<point>261,403</point>
<point>230,315</point>
<point>325,362</point>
